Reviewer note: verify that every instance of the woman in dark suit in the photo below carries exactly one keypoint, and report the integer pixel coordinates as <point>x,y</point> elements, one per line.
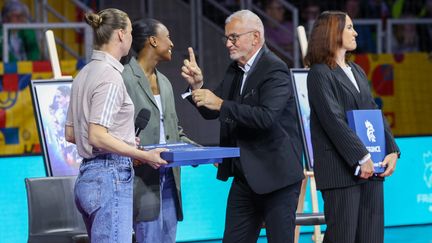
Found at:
<point>157,197</point>
<point>353,205</point>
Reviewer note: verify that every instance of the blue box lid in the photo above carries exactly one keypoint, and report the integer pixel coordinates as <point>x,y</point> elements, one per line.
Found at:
<point>181,154</point>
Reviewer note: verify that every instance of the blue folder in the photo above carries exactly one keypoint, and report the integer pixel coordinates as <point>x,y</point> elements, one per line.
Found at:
<point>369,127</point>
<point>181,154</point>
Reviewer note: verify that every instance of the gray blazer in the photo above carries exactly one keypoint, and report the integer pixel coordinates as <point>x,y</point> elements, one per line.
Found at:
<point>147,184</point>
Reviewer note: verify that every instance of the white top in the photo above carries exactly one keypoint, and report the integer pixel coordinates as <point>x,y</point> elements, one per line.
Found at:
<point>350,75</point>
<point>161,116</point>
<point>247,68</point>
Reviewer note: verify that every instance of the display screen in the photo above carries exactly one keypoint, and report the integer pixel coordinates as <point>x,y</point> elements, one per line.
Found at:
<point>51,101</point>
<point>299,78</point>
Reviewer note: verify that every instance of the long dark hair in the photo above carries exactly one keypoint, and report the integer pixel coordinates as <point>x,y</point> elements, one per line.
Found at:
<point>326,38</point>
<point>141,31</point>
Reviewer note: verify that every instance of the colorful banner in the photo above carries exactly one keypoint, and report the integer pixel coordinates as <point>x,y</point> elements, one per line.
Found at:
<point>18,131</point>
<point>401,84</point>
<point>402,87</point>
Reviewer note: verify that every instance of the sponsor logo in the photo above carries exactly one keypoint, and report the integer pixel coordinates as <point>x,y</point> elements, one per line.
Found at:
<point>427,177</point>
<point>370,131</point>
<point>427,174</point>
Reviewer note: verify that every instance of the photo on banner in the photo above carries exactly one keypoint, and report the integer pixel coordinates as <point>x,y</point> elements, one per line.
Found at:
<point>51,101</point>
<point>299,82</point>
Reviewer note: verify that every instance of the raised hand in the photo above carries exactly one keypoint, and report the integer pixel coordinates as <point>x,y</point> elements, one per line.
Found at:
<point>191,72</point>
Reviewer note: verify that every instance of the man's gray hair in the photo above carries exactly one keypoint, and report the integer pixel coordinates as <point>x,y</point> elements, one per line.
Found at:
<point>248,18</point>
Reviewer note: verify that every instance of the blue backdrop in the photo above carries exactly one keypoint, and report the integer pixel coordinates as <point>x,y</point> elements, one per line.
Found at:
<point>408,194</point>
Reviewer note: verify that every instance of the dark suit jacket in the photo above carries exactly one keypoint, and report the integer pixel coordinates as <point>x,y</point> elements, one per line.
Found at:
<point>336,148</point>
<point>264,123</point>
<point>147,183</point>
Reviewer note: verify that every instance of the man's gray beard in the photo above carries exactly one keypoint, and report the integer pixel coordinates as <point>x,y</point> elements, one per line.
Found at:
<point>233,57</point>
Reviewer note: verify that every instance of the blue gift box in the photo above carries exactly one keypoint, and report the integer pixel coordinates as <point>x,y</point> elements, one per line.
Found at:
<point>369,127</point>
<point>181,154</point>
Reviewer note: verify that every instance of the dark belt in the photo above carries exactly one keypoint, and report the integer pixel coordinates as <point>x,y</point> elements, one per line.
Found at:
<point>101,156</point>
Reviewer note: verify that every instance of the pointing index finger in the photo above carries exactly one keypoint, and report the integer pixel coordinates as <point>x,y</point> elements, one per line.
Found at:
<point>191,55</point>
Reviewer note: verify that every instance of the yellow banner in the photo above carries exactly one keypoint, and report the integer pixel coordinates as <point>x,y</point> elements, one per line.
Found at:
<point>18,131</point>
<point>401,84</point>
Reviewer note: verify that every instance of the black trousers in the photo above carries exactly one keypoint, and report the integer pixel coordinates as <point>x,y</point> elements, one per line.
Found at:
<point>355,214</point>
<point>246,211</point>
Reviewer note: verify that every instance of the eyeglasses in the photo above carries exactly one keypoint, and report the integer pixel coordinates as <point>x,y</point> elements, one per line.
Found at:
<point>234,37</point>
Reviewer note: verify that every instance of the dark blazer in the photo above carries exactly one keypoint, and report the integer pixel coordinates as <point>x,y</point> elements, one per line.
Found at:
<point>336,148</point>
<point>264,123</point>
<point>147,183</point>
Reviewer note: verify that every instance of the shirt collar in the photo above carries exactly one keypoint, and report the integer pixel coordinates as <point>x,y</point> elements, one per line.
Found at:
<point>104,56</point>
<point>249,63</point>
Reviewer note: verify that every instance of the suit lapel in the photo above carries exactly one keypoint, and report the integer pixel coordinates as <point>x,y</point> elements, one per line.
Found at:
<point>364,87</point>
<point>229,79</point>
<point>253,76</point>
<point>142,80</point>
<point>346,82</point>
<point>365,90</point>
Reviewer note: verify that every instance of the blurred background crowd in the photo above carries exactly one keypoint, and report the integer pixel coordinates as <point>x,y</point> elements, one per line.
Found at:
<point>280,17</point>
<point>388,30</point>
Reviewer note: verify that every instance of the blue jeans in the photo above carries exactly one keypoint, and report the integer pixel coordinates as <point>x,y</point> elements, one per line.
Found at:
<point>164,228</point>
<point>103,195</point>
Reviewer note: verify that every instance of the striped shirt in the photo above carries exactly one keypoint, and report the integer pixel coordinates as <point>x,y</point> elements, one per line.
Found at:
<point>99,96</point>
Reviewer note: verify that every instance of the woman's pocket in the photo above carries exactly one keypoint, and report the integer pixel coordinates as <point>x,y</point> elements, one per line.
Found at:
<point>123,174</point>
<point>88,193</point>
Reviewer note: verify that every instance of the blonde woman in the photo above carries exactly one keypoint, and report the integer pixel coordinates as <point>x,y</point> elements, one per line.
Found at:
<point>100,122</point>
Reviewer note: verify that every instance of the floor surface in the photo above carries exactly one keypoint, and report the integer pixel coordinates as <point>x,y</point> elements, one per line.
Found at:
<point>406,234</point>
